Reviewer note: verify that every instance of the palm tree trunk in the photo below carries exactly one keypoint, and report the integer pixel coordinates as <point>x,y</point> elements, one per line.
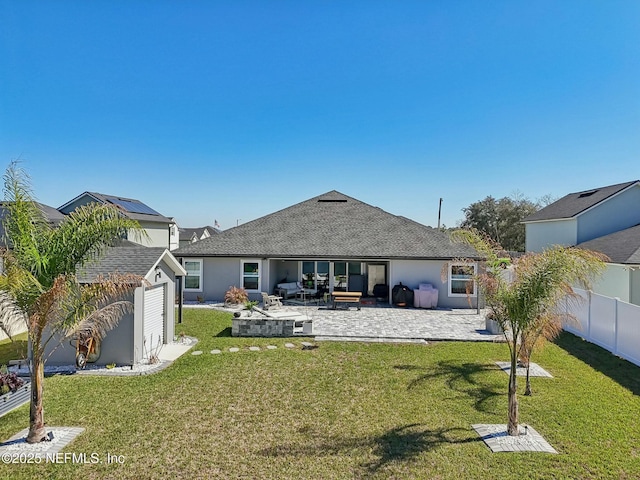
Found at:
<point>512,426</point>
<point>527,388</point>
<point>37,431</point>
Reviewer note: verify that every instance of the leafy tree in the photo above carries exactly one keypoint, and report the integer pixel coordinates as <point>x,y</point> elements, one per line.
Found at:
<point>501,219</point>
<point>38,281</point>
<point>525,304</point>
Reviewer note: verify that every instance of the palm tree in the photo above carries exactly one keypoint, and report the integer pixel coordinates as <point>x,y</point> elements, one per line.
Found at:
<point>525,306</point>
<point>39,283</point>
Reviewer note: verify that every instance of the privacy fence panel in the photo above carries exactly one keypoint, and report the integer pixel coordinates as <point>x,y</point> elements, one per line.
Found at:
<point>602,321</point>
<point>629,332</point>
<point>607,322</point>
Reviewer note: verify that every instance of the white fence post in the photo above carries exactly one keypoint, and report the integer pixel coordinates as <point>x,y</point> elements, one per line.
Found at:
<point>589,314</point>
<point>615,327</point>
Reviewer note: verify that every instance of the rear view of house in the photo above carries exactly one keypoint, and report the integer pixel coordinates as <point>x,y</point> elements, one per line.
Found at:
<point>328,243</point>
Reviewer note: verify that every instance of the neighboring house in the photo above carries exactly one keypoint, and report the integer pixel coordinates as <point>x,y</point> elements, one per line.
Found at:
<point>174,234</point>
<point>622,277</point>
<point>330,242</point>
<point>151,324</point>
<point>157,226</point>
<point>602,219</point>
<point>583,216</point>
<point>192,235</point>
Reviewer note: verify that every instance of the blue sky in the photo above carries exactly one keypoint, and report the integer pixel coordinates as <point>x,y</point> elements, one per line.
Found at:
<point>231,110</point>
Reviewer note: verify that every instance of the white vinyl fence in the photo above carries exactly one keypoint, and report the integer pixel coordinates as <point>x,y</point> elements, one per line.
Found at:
<point>607,322</point>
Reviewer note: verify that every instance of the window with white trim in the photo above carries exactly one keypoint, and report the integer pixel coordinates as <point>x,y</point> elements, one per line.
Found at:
<point>193,279</point>
<point>250,280</point>
<point>461,280</point>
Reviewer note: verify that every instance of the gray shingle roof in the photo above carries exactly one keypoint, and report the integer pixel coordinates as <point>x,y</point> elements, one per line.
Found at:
<point>575,203</point>
<point>187,233</point>
<point>331,225</point>
<point>125,257</point>
<point>621,247</point>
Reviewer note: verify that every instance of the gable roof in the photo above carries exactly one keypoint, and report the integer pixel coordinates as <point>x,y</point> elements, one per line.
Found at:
<point>128,257</point>
<point>331,226</point>
<point>130,207</point>
<point>575,203</point>
<point>188,233</point>
<point>621,247</point>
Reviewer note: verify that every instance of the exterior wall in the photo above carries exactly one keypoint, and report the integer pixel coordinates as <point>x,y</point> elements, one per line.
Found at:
<point>218,274</point>
<point>83,200</point>
<point>158,235</point>
<point>541,235</point>
<point>174,236</point>
<point>117,347</point>
<point>614,282</point>
<point>615,214</point>
<point>221,273</point>
<point>413,272</point>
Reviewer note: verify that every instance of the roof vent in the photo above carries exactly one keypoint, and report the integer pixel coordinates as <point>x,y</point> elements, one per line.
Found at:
<point>328,200</point>
<point>588,193</point>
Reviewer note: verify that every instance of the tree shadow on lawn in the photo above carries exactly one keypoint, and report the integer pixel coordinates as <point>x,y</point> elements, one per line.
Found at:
<point>225,332</point>
<point>460,378</point>
<point>621,371</point>
<point>398,444</point>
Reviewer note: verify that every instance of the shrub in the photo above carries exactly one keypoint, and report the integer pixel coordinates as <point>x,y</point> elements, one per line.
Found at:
<point>236,296</point>
<point>9,382</point>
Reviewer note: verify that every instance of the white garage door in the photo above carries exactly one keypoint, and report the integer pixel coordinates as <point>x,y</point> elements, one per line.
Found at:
<point>153,319</point>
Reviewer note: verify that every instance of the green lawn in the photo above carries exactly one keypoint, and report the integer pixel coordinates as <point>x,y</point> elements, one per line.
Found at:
<point>343,410</point>
<point>13,350</point>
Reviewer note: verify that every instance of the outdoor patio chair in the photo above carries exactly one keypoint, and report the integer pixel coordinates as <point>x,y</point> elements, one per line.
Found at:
<point>269,301</point>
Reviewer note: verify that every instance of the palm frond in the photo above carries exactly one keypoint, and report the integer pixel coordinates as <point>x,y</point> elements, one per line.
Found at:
<point>25,225</point>
<point>101,321</point>
<point>12,318</point>
<point>85,234</point>
<point>97,307</point>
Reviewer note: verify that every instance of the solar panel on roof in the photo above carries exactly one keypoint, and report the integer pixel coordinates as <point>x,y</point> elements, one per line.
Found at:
<point>133,207</point>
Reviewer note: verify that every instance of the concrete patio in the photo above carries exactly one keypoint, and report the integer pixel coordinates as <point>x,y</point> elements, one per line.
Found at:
<point>388,323</point>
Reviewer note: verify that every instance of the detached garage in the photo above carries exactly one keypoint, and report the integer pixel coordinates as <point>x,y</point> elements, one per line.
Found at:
<point>142,333</point>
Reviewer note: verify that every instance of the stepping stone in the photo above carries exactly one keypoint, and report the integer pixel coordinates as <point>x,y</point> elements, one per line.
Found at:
<point>289,345</point>
<point>215,351</point>
<point>197,352</point>
<point>234,349</point>
<point>308,346</point>
<point>271,347</point>
<point>254,349</point>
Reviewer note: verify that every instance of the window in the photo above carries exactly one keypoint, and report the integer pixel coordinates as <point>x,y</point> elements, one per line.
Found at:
<point>341,273</point>
<point>315,275</point>
<point>250,275</point>
<point>193,280</point>
<point>461,281</point>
